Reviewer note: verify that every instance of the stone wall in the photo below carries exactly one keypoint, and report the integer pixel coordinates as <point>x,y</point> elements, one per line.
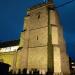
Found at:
<point>8,58</point>
<point>38,38</point>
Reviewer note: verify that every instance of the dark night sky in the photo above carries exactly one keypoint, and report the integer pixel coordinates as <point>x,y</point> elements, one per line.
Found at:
<point>12,14</point>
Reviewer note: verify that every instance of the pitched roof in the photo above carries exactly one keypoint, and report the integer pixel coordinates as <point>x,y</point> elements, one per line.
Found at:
<point>9,43</point>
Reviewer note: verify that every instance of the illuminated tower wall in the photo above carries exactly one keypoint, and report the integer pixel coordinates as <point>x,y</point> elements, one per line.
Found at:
<point>43,45</point>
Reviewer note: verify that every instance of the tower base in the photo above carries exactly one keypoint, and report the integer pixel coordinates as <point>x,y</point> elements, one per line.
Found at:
<point>61,73</point>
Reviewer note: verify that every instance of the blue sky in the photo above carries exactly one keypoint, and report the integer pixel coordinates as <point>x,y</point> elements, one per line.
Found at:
<point>12,14</point>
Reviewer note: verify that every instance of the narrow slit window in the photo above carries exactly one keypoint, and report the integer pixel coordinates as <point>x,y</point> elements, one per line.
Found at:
<point>37,37</point>
<point>38,16</point>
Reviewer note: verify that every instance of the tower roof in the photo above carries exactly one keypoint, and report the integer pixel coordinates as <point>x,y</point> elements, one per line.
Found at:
<point>49,4</point>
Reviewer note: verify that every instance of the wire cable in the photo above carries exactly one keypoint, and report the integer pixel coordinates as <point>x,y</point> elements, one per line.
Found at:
<point>64,4</point>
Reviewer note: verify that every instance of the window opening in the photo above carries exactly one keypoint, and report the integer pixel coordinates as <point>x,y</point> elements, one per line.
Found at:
<point>38,16</point>
<point>37,37</point>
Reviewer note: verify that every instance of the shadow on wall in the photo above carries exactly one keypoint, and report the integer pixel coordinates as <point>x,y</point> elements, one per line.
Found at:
<point>30,72</point>
<point>4,70</point>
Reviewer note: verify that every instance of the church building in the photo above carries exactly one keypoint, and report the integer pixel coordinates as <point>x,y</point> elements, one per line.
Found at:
<point>42,40</point>
<point>42,45</point>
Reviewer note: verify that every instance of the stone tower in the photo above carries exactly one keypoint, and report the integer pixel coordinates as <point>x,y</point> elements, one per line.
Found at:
<point>43,42</point>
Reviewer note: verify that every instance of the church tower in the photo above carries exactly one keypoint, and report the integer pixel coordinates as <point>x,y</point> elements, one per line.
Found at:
<point>44,45</point>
